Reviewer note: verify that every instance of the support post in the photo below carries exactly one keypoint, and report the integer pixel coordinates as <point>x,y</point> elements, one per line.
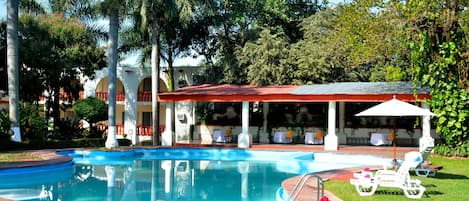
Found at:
<point>244,139</point>
<point>426,140</point>
<point>331,140</point>
<point>130,112</point>
<point>167,136</point>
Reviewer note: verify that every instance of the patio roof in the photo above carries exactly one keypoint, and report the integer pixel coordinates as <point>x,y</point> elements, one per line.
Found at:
<point>341,92</point>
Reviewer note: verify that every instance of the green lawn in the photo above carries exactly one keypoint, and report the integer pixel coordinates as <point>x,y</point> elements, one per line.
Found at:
<point>17,157</point>
<point>450,183</point>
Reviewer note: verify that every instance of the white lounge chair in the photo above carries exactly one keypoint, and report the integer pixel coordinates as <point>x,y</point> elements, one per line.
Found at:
<point>423,169</point>
<point>412,188</point>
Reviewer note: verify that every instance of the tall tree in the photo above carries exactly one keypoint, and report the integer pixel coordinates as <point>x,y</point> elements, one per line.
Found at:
<point>111,9</point>
<point>55,51</point>
<point>159,15</point>
<point>266,59</point>
<point>231,24</point>
<point>13,67</point>
<point>439,40</point>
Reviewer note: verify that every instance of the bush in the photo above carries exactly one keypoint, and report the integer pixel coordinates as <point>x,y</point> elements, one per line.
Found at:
<point>446,150</point>
<point>32,124</point>
<point>67,129</point>
<point>5,130</point>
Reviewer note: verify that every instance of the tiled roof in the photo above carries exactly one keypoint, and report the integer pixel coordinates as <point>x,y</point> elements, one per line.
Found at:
<point>359,88</point>
<point>345,91</point>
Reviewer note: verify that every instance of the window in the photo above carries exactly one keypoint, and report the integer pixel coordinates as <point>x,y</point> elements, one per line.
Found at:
<point>146,118</point>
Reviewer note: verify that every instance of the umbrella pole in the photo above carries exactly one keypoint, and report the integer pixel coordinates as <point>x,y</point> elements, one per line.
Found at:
<point>395,158</point>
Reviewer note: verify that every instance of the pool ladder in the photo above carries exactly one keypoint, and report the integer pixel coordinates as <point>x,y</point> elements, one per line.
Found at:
<point>302,182</point>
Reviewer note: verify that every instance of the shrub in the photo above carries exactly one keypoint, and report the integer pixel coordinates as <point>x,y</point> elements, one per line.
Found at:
<point>66,129</point>
<point>91,110</point>
<point>447,150</point>
<point>32,124</point>
<point>5,131</point>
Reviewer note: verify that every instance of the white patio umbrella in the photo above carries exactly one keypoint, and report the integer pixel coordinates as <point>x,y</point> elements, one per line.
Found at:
<point>395,108</point>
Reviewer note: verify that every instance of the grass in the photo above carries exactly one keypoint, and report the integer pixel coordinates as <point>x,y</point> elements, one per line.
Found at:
<point>17,157</point>
<point>450,183</point>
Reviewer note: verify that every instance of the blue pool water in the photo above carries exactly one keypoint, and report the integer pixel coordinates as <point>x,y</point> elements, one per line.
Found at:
<point>170,174</point>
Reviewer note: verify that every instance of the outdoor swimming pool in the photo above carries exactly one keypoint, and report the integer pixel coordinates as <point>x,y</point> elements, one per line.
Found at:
<point>170,174</point>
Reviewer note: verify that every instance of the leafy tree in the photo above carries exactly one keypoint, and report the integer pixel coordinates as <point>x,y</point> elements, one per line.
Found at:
<point>89,10</point>
<point>54,52</point>
<point>358,41</point>
<point>440,54</point>
<point>92,110</point>
<point>33,124</point>
<point>265,59</point>
<point>227,25</point>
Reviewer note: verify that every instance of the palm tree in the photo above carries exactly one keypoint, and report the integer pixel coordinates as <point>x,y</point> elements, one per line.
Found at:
<point>111,141</point>
<point>111,9</point>
<point>158,14</point>
<point>13,68</point>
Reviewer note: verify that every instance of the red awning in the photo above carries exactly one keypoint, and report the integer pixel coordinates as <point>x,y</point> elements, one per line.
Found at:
<point>282,93</point>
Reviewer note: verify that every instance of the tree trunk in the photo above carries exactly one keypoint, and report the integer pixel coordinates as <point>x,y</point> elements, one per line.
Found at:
<point>155,83</point>
<point>171,88</point>
<point>13,68</point>
<point>112,80</point>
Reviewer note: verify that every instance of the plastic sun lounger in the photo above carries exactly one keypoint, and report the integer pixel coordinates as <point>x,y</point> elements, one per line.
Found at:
<point>424,169</point>
<point>366,183</point>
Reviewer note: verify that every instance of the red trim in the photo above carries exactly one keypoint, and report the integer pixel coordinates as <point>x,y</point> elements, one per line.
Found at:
<point>289,97</point>
<point>282,93</point>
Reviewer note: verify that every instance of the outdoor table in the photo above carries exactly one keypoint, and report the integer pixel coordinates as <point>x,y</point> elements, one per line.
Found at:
<point>378,139</point>
<point>281,137</point>
<point>310,138</point>
<point>219,136</point>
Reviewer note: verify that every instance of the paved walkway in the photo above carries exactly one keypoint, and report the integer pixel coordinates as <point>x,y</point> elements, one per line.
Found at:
<point>50,157</point>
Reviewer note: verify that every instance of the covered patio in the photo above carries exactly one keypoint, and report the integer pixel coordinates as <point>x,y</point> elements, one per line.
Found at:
<point>334,94</point>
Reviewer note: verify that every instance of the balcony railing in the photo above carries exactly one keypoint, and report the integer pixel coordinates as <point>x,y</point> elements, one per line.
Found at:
<point>141,130</point>
<point>144,96</point>
<point>64,96</point>
<point>104,96</point>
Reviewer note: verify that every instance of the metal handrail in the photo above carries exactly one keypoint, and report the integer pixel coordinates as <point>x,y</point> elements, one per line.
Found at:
<point>301,183</point>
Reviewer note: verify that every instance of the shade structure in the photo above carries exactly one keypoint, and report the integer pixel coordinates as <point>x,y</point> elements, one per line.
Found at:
<point>395,107</point>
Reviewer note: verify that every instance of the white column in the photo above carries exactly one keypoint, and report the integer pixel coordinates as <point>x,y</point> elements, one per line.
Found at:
<point>426,140</point>
<point>130,81</point>
<point>244,140</point>
<point>167,136</point>
<point>331,141</point>
<point>264,135</point>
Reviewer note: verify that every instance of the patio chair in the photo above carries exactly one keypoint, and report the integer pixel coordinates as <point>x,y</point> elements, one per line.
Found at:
<point>424,169</point>
<point>367,183</point>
